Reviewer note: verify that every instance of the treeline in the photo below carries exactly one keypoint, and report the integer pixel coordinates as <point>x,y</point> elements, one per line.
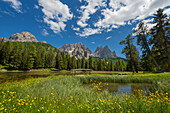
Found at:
<point>154,43</point>
<point>30,55</point>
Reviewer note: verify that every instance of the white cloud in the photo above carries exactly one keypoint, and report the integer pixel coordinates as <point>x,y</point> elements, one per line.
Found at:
<point>36,6</point>
<point>167,11</point>
<point>148,22</point>
<point>93,42</point>
<point>108,37</point>
<point>76,29</point>
<point>16,4</point>
<point>88,32</point>
<point>130,10</point>
<point>119,13</point>
<point>56,14</point>
<point>44,32</point>
<point>89,9</point>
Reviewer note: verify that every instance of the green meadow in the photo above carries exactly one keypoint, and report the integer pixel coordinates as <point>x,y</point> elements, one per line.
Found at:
<point>69,94</point>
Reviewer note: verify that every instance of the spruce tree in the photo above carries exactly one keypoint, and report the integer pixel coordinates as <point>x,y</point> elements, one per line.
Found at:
<point>87,64</point>
<point>131,53</point>
<point>83,64</point>
<point>91,62</point>
<point>142,35</point>
<point>160,38</point>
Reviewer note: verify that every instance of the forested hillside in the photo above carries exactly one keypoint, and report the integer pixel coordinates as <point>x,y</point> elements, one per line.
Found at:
<point>32,55</point>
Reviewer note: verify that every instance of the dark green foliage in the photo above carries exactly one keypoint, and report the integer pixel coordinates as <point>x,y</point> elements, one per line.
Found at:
<point>142,35</point>
<point>160,38</point>
<point>5,52</point>
<point>30,55</point>
<point>100,65</point>
<point>83,64</point>
<point>131,53</point>
<point>155,43</point>
<point>91,62</point>
<point>78,63</point>
<point>27,55</point>
<point>87,64</point>
<point>73,62</point>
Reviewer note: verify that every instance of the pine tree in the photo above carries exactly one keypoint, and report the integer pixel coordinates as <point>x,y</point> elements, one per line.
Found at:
<point>83,64</point>
<point>100,65</point>
<point>78,63</point>
<point>32,56</point>
<point>123,65</point>
<point>142,34</point>
<point>6,50</point>
<point>68,61</point>
<point>95,65</point>
<point>160,38</point>
<point>64,60</point>
<point>117,65</point>
<point>91,62</point>
<point>87,64</point>
<point>131,53</point>
<point>109,66</point>
<point>112,66</point>
<point>14,56</point>
<point>24,61</point>
<point>74,64</point>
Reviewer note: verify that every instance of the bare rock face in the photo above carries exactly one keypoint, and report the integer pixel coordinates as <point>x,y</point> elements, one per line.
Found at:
<point>23,37</point>
<point>4,39</point>
<point>77,49</point>
<point>44,42</point>
<point>104,52</point>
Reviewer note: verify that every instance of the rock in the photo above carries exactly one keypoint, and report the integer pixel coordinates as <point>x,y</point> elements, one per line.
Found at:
<point>23,37</point>
<point>44,42</point>
<point>4,39</point>
<point>104,52</point>
<point>77,49</point>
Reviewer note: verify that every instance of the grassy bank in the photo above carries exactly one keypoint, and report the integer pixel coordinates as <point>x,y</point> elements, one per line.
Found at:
<point>68,94</point>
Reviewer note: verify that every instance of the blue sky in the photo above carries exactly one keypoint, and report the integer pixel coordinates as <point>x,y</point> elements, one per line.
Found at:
<point>92,22</point>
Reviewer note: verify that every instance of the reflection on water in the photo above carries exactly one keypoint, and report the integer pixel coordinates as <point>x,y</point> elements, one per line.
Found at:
<point>128,88</point>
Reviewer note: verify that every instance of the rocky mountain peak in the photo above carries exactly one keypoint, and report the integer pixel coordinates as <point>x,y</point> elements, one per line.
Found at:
<point>4,39</point>
<point>23,37</point>
<point>77,49</point>
<point>101,47</point>
<point>97,49</point>
<point>104,52</point>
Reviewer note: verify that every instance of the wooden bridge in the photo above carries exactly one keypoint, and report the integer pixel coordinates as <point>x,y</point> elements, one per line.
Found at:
<point>86,71</point>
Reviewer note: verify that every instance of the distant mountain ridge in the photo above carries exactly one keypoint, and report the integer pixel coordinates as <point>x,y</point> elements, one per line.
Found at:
<point>79,50</point>
<point>22,37</point>
<point>104,52</point>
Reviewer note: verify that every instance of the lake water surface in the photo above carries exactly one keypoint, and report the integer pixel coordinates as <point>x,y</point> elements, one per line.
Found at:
<point>126,88</point>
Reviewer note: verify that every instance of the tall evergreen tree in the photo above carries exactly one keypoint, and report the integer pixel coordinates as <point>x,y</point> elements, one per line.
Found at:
<point>131,53</point>
<point>100,65</point>
<point>78,63</point>
<point>74,64</point>
<point>15,56</point>
<point>5,52</point>
<point>160,39</point>
<point>83,64</point>
<point>91,62</point>
<point>112,66</point>
<point>87,64</point>
<point>142,34</point>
